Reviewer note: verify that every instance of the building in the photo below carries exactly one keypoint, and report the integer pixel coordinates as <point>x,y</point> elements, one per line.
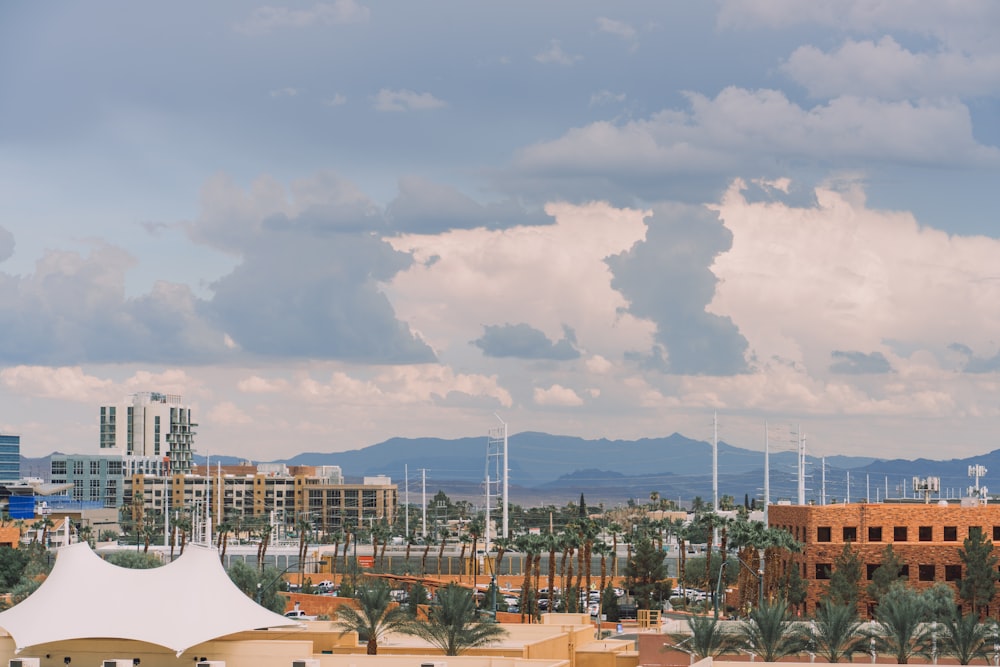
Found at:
<point>926,538</point>
<point>153,425</point>
<point>10,458</point>
<point>278,494</point>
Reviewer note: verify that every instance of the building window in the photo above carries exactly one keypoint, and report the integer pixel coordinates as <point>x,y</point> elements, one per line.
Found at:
<point>904,572</point>
<point>925,534</point>
<point>59,468</point>
<point>952,572</point>
<point>823,535</point>
<point>951,533</point>
<point>850,533</point>
<point>823,570</point>
<point>874,533</point>
<point>871,567</point>
<point>899,534</point>
<point>925,572</point>
<point>996,533</point>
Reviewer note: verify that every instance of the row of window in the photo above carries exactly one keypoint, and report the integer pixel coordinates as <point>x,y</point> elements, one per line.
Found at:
<point>924,572</point>
<point>899,533</point>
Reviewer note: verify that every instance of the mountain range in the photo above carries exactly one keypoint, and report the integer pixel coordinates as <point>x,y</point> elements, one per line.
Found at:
<point>556,469</point>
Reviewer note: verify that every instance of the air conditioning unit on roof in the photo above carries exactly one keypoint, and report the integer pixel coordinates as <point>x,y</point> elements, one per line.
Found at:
<point>306,662</point>
<point>24,662</point>
<point>118,662</point>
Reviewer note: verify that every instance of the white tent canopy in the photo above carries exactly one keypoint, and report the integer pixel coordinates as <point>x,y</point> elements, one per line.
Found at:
<point>180,605</point>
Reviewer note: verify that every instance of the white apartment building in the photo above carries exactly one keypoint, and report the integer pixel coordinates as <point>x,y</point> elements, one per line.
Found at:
<point>151,426</point>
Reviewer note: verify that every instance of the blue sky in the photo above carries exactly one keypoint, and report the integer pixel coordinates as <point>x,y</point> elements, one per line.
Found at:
<point>325,224</point>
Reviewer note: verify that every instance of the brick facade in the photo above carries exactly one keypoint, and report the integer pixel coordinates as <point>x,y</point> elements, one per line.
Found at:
<point>926,538</point>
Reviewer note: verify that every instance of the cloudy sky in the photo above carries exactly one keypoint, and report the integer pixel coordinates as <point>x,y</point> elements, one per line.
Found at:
<point>325,224</point>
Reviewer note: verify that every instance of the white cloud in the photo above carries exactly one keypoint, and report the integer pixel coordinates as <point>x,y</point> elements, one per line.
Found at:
<point>603,97</point>
<point>545,276</point>
<point>619,29</point>
<point>68,383</point>
<point>406,100</point>
<point>284,92</point>
<point>557,395</point>
<point>263,20</point>
<point>738,126</point>
<point>258,385</point>
<point>555,55</point>
<point>886,70</point>
<point>337,100</point>
<point>226,414</point>
<point>598,365</point>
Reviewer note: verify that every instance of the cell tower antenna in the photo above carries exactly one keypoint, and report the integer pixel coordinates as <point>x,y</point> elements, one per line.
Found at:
<point>497,481</point>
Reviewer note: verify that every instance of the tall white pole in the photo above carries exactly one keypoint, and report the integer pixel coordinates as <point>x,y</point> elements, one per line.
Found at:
<point>166,512</point>
<point>848,486</point>
<point>506,486</point>
<point>767,472</point>
<point>802,467</point>
<point>406,499</point>
<point>715,461</point>
<point>423,500</point>
<point>823,484</point>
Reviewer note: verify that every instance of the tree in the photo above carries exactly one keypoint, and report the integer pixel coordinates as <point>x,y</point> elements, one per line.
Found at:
<point>645,573</point>
<point>705,639</point>
<point>979,584</point>
<point>837,632</point>
<point>453,624</point>
<point>902,631</point>
<point>886,574</point>
<point>769,634</point>
<point>12,565</point>
<point>965,638</point>
<point>262,587</point>
<point>418,597</point>
<point>843,588</point>
<point>134,560</point>
<point>376,616</point>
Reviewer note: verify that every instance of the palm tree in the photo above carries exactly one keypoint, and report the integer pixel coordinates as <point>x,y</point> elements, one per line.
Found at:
<point>706,639</point>
<point>429,541</point>
<point>837,632</point>
<point>376,616</point>
<point>444,533</point>
<point>769,634</point>
<point>965,638</point>
<point>453,624</point>
<point>900,617</point>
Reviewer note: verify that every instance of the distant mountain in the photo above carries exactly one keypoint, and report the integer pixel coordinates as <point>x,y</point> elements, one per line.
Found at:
<point>553,468</point>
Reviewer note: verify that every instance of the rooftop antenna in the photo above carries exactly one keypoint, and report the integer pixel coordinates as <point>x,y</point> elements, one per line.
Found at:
<point>767,472</point>
<point>802,467</point>
<point>977,491</point>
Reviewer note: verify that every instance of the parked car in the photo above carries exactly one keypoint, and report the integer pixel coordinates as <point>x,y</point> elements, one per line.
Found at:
<point>299,615</point>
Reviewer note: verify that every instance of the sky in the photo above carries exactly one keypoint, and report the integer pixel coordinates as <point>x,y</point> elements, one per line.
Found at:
<point>326,224</point>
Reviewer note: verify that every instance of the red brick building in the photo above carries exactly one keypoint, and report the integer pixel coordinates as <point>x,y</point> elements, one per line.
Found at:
<point>926,538</point>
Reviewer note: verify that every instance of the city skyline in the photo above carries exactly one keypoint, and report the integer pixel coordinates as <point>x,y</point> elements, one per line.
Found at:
<point>326,224</point>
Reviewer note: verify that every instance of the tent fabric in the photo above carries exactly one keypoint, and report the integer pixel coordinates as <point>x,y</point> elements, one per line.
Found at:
<point>177,606</point>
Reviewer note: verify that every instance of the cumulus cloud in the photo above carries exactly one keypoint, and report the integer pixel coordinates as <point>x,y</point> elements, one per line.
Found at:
<point>283,92</point>
<point>426,206</point>
<point>732,130</point>
<point>557,395</point>
<point>258,385</point>
<point>555,55</point>
<point>337,100</point>
<point>858,363</point>
<point>667,279</point>
<point>839,271</point>
<point>263,20</point>
<point>406,100</point>
<point>886,70</point>
<point>551,276</point>
<point>526,342</point>
<point>974,363</point>
<point>228,413</point>
<point>68,383</point>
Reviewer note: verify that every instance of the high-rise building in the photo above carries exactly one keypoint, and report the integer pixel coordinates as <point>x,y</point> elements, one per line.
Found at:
<point>153,425</point>
<point>10,458</point>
